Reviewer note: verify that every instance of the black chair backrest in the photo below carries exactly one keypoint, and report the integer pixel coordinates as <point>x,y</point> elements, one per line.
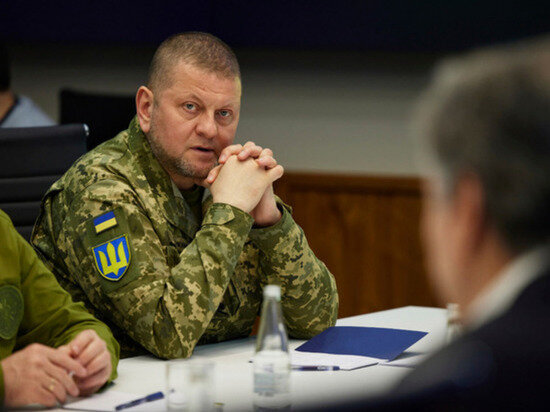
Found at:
<point>106,115</point>
<point>31,160</point>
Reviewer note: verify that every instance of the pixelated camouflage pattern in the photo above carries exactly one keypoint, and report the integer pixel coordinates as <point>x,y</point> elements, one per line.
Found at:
<point>188,282</point>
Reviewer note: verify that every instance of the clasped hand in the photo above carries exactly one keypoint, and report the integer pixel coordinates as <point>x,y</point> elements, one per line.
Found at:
<point>42,375</point>
<point>244,179</point>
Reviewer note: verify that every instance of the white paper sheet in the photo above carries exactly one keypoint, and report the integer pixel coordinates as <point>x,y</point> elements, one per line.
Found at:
<point>344,362</point>
<point>407,359</point>
<point>110,399</point>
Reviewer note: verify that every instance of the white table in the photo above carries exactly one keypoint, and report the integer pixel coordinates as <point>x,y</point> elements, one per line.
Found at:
<point>233,373</point>
<point>143,375</point>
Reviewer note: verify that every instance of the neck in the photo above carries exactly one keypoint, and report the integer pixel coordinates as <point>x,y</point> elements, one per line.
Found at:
<point>7,100</point>
<point>182,183</point>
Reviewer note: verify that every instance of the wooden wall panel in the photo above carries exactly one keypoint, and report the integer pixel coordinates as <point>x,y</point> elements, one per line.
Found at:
<point>366,230</point>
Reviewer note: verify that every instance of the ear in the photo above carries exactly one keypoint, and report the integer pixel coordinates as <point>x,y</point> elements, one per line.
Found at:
<point>470,215</point>
<point>144,107</point>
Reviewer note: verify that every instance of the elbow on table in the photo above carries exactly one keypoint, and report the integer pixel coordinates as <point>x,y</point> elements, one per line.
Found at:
<point>312,326</point>
<point>166,344</point>
<point>171,349</point>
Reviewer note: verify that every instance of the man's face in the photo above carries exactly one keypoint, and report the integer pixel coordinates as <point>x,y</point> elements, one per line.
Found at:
<point>459,243</point>
<point>192,119</point>
<point>440,242</point>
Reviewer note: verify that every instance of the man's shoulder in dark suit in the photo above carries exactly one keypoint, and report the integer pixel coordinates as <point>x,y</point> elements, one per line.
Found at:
<point>504,363</point>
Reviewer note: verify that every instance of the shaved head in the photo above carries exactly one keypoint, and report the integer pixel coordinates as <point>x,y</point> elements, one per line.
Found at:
<point>201,50</point>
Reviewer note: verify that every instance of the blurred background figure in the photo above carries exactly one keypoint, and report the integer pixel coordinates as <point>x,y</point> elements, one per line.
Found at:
<point>486,231</point>
<point>486,227</point>
<point>17,110</point>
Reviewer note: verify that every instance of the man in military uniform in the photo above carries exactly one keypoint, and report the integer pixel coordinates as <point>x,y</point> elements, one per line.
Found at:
<point>130,231</point>
<point>36,316</point>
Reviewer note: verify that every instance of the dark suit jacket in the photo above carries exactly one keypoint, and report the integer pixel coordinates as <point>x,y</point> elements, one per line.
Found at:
<point>504,364</point>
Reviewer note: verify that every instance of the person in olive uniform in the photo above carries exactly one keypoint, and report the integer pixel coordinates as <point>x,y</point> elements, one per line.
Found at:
<point>131,231</point>
<point>50,347</point>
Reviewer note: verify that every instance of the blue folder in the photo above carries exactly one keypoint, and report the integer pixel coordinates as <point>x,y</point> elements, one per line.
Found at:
<point>381,343</point>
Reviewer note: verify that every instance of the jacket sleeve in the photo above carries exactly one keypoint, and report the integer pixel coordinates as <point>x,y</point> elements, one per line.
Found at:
<point>165,299</point>
<point>308,290</point>
<point>50,316</point>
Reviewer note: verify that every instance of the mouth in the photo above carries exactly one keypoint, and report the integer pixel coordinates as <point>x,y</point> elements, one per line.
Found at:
<point>203,149</point>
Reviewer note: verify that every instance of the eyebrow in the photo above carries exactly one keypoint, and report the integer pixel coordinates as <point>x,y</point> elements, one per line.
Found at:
<point>193,96</point>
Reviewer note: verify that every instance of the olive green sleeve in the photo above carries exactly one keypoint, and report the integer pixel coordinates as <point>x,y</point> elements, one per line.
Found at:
<point>50,316</point>
<point>2,394</point>
<point>308,290</point>
<point>166,297</point>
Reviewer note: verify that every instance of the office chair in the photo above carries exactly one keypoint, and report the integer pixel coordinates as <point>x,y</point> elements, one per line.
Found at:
<point>31,160</point>
<point>106,115</point>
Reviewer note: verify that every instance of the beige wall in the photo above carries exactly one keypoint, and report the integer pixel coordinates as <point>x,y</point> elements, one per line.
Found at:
<point>319,111</point>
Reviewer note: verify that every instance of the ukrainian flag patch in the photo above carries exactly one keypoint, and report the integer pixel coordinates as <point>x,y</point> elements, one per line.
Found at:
<point>112,258</point>
<point>104,222</point>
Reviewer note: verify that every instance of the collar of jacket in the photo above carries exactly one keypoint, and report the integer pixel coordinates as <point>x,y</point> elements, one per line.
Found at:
<point>156,182</point>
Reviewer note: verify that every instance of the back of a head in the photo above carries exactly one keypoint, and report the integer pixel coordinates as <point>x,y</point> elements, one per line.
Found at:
<point>488,114</point>
<point>201,50</point>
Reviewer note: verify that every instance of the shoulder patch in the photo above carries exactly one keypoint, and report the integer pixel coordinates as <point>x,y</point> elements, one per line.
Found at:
<point>11,311</point>
<point>104,222</point>
<point>112,258</point>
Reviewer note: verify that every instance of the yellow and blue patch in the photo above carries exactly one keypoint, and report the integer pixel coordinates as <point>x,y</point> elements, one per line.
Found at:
<point>112,258</point>
<point>104,222</point>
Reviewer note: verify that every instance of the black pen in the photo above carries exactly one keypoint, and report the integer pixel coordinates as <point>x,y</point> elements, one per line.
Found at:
<point>316,368</point>
<point>148,398</point>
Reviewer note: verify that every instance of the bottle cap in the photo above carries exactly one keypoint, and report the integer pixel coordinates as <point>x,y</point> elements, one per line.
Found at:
<point>272,291</point>
<point>454,315</point>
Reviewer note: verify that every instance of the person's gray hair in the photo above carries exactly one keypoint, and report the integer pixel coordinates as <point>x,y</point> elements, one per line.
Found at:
<point>488,114</point>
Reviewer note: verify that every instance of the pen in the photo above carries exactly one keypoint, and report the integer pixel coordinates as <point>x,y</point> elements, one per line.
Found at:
<point>316,368</point>
<point>148,398</point>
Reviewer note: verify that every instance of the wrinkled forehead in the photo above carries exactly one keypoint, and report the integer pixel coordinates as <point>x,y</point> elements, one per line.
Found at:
<point>183,73</point>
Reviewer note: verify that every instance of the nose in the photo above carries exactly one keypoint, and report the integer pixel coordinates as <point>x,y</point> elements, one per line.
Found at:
<point>206,125</point>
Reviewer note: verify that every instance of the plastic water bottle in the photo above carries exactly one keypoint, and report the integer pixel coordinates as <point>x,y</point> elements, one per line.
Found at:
<point>454,322</point>
<point>272,361</point>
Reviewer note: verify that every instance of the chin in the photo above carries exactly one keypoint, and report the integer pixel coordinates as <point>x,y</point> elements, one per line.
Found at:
<point>199,173</point>
<point>203,171</point>
<point>194,170</point>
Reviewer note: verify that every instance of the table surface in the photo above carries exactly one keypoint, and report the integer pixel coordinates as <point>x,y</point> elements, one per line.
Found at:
<point>143,375</point>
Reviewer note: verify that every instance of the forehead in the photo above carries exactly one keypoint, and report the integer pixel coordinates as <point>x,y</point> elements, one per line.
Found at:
<point>187,79</point>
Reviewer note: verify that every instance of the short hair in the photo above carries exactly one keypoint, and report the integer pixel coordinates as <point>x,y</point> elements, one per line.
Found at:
<point>488,114</point>
<point>5,74</point>
<point>202,50</point>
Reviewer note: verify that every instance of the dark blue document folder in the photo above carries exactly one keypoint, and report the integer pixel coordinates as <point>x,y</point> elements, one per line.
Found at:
<point>379,343</point>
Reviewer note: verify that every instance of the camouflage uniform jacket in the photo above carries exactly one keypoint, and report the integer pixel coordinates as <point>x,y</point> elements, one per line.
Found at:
<point>186,282</point>
<point>33,307</point>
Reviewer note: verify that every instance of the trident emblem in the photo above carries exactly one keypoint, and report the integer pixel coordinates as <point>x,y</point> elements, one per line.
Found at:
<point>112,258</point>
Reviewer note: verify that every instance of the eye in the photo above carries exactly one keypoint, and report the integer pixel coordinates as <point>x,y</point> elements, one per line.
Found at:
<point>190,106</point>
<point>224,113</point>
